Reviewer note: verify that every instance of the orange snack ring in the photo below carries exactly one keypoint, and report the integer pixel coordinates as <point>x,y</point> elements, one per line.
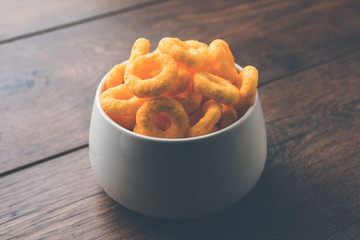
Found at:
<point>137,72</point>
<point>249,77</point>
<point>223,61</point>
<point>190,100</point>
<point>127,122</point>
<point>176,113</point>
<point>214,129</point>
<point>141,47</point>
<point>216,88</point>
<point>229,115</point>
<point>181,84</point>
<point>204,120</point>
<point>204,49</point>
<point>115,76</point>
<point>154,73</point>
<point>118,100</point>
<point>182,52</point>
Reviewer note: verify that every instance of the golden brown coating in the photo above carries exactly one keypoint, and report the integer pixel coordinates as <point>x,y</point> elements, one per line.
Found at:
<point>146,125</point>
<point>229,115</point>
<point>249,76</point>
<point>216,88</point>
<point>116,76</point>
<point>223,61</point>
<point>182,52</point>
<point>118,100</point>
<point>141,47</point>
<point>137,73</point>
<point>204,120</point>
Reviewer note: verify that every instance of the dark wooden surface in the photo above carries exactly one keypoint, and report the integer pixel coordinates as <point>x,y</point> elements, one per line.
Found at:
<point>21,19</point>
<point>52,58</point>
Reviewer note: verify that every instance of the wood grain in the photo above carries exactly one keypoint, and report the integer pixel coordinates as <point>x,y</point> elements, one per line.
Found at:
<point>48,82</point>
<point>309,188</point>
<point>21,18</point>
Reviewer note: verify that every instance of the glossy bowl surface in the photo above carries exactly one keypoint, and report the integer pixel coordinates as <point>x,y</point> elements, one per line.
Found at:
<point>177,178</point>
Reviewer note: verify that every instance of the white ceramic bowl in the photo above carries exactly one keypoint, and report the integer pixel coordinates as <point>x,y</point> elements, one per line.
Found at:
<point>177,178</point>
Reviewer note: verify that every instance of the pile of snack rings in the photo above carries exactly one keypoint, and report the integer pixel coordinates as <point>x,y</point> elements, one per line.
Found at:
<point>182,89</point>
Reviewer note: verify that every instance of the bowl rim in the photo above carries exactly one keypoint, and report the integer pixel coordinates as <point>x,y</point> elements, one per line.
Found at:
<point>170,140</point>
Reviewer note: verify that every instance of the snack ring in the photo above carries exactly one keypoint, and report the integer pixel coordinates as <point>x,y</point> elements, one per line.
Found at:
<point>127,122</point>
<point>249,77</point>
<point>163,105</point>
<point>136,75</point>
<point>190,100</point>
<point>141,47</point>
<point>215,88</point>
<point>181,84</point>
<point>116,76</point>
<point>204,120</point>
<point>118,100</point>
<point>182,52</point>
<point>229,115</point>
<point>223,61</point>
<point>204,49</point>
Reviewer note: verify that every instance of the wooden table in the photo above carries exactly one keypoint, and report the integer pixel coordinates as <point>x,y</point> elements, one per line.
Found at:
<point>53,55</point>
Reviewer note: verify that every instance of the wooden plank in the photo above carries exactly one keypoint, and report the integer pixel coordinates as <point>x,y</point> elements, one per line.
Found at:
<point>22,18</point>
<point>309,188</point>
<point>48,82</point>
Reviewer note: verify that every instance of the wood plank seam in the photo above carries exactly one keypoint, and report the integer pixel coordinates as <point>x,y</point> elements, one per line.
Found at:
<point>72,150</point>
<point>82,21</point>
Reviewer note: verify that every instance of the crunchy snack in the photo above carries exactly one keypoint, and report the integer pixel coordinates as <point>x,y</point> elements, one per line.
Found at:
<point>115,76</point>
<point>118,100</point>
<point>141,47</point>
<point>216,88</point>
<point>163,105</point>
<point>190,100</point>
<point>182,52</point>
<point>127,122</point>
<point>249,78</point>
<point>137,78</point>
<point>204,120</point>
<point>182,89</point>
<point>223,61</point>
<point>229,115</point>
<point>181,84</point>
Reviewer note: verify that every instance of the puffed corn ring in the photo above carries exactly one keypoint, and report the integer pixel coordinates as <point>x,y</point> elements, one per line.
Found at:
<point>127,122</point>
<point>228,116</point>
<point>216,88</point>
<point>223,61</point>
<point>204,49</point>
<point>182,52</point>
<point>154,73</point>
<point>181,84</point>
<point>204,119</point>
<point>137,72</point>
<point>249,77</point>
<point>190,100</point>
<point>141,47</point>
<point>145,118</point>
<point>118,100</point>
<point>116,76</point>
